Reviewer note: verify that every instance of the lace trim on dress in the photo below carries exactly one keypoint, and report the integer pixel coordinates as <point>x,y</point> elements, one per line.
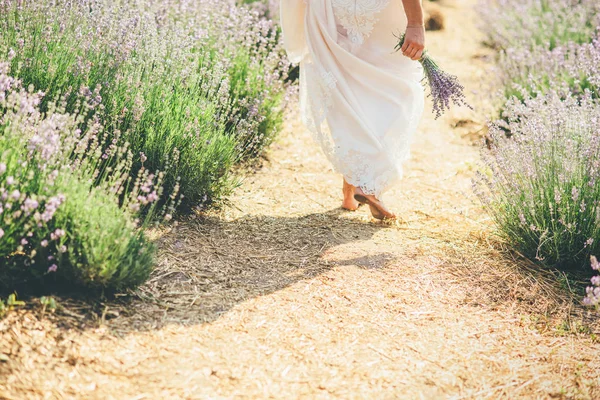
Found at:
<point>359,173</point>
<point>358,17</point>
<point>317,88</point>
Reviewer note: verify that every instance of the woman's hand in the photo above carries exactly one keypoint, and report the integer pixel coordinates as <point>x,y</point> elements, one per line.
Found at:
<point>414,42</point>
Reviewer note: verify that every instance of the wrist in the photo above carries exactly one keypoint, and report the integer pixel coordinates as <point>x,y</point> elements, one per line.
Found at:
<point>415,25</point>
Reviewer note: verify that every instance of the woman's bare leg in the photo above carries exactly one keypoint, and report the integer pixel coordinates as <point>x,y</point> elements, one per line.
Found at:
<point>349,202</point>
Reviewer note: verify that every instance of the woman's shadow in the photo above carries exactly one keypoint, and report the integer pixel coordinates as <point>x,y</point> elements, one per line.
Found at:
<point>208,265</point>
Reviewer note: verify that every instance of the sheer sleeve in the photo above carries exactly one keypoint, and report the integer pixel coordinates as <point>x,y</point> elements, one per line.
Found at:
<point>292,24</point>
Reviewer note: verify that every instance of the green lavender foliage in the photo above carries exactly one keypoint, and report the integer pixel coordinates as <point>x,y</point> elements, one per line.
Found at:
<point>544,46</point>
<point>541,184</point>
<point>193,88</point>
<point>539,181</point>
<point>65,219</point>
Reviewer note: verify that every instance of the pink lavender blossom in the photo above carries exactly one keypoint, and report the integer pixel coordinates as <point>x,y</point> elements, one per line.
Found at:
<point>29,205</point>
<point>592,297</point>
<point>51,207</point>
<point>57,234</point>
<point>594,263</point>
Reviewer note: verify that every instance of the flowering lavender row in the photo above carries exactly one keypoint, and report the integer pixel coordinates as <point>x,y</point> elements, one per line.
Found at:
<point>136,102</point>
<point>567,69</point>
<point>510,24</point>
<point>541,183</point>
<point>195,87</point>
<point>54,224</point>
<point>544,46</point>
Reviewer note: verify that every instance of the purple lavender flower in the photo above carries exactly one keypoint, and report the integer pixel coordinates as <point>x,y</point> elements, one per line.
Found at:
<point>592,297</point>
<point>540,184</point>
<point>29,205</point>
<point>444,88</point>
<point>594,263</point>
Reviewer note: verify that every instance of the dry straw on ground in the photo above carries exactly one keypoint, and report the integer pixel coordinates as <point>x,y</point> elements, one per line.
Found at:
<point>283,295</point>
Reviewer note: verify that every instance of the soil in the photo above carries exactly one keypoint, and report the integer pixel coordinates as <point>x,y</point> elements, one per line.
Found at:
<point>282,294</point>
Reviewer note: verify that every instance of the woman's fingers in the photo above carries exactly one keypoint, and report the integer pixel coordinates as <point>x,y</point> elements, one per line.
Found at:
<point>412,50</point>
<point>405,46</point>
<point>418,55</point>
<point>413,56</point>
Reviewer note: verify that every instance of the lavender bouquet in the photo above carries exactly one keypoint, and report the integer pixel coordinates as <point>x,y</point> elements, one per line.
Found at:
<point>443,87</point>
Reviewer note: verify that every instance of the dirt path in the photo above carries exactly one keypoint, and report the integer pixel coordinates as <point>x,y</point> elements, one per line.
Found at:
<point>283,295</point>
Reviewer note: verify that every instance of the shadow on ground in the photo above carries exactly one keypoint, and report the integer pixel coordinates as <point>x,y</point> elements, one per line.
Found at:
<point>208,265</point>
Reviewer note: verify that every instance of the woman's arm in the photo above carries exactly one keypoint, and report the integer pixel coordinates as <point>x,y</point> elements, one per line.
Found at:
<point>414,41</point>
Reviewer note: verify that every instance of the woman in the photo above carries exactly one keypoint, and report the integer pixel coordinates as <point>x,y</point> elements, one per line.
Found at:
<point>362,100</point>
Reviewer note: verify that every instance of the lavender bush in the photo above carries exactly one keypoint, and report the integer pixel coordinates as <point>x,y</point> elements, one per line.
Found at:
<point>571,69</point>
<point>193,87</point>
<point>127,89</point>
<point>525,24</point>
<point>541,185</point>
<point>544,46</point>
<point>65,216</point>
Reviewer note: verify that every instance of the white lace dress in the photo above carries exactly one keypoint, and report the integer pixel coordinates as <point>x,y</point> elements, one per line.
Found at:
<point>361,100</point>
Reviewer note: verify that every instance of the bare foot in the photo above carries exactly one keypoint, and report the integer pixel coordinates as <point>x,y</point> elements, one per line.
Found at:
<point>378,210</point>
<point>349,203</point>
